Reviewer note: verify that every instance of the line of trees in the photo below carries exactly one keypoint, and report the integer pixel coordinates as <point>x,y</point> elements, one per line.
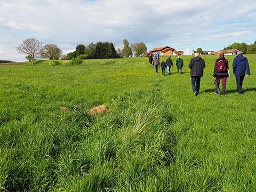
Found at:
<point>249,49</point>
<point>106,50</point>
<point>5,61</point>
<point>100,50</point>
<point>34,49</point>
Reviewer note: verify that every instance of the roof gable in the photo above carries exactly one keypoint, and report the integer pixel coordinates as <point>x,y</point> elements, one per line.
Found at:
<point>162,49</point>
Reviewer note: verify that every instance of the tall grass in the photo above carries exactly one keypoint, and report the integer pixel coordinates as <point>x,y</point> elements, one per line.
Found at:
<point>157,136</point>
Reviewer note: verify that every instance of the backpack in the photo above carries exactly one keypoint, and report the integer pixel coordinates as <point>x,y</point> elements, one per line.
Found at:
<point>221,66</point>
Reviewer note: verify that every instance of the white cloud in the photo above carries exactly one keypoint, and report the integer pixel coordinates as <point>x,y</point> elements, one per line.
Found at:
<point>179,24</point>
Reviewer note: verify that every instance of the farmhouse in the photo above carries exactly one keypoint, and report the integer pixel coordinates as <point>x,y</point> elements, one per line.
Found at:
<point>165,50</point>
<point>227,52</point>
<point>231,52</point>
<point>204,52</point>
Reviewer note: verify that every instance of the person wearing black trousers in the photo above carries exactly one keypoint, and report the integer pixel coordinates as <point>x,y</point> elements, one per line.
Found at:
<point>240,69</point>
<point>196,66</point>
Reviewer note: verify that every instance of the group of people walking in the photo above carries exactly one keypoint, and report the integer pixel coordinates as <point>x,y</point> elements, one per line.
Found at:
<point>165,65</point>
<point>220,73</point>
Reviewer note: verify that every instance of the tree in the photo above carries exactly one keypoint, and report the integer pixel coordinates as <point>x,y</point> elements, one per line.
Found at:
<point>126,51</point>
<point>90,50</point>
<point>251,49</point>
<point>50,51</point>
<point>199,50</point>
<point>105,50</point>
<point>31,47</point>
<point>139,48</point>
<point>80,49</point>
<point>239,46</point>
<point>72,55</point>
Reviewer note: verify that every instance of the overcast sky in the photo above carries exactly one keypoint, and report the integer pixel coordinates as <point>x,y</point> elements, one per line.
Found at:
<point>181,24</point>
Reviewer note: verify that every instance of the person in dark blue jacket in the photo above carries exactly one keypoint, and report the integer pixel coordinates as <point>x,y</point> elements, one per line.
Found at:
<point>240,69</point>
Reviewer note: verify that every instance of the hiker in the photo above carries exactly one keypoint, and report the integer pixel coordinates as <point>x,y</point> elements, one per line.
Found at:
<point>169,64</point>
<point>196,66</point>
<point>158,55</point>
<point>240,68</point>
<point>220,72</point>
<point>179,64</point>
<point>150,59</point>
<point>156,63</point>
<point>163,66</point>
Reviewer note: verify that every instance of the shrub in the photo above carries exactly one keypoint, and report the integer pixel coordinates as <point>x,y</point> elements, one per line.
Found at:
<point>76,61</point>
<point>56,62</point>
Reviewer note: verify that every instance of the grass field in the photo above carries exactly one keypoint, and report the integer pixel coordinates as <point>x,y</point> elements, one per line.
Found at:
<point>157,136</point>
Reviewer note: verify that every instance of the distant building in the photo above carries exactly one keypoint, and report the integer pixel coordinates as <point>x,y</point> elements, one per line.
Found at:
<point>165,50</point>
<point>231,52</point>
<point>178,52</point>
<point>204,52</point>
<point>226,52</point>
<point>207,52</point>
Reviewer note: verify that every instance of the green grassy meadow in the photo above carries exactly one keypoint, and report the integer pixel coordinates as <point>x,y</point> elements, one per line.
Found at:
<point>157,136</point>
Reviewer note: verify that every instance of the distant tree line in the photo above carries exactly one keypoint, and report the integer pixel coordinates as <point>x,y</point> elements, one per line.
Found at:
<point>5,61</point>
<point>106,50</point>
<point>100,50</point>
<point>249,49</point>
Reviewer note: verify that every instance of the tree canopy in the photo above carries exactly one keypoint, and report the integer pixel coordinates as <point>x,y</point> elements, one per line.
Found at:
<point>239,46</point>
<point>251,48</point>
<point>50,51</point>
<point>105,50</point>
<point>139,48</point>
<point>89,50</point>
<point>31,47</point>
<point>199,50</point>
<point>80,49</point>
<point>126,51</point>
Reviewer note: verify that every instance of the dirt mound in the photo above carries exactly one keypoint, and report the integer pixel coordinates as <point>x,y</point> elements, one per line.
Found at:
<point>98,109</point>
<point>95,110</point>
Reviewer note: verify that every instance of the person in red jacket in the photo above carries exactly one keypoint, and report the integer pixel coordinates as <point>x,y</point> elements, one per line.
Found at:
<point>220,73</point>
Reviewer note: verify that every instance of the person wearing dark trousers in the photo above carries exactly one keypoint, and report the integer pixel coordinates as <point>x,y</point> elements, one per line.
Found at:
<point>240,69</point>
<point>163,66</point>
<point>169,64</point>
<point>179,64</point>
<point>196,66</point>
<point>220,73</point>
<point>156,64</point>
<point>150,59</point>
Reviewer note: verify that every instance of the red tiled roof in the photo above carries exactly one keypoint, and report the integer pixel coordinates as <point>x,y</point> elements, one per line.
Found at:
<point>215,52</point>
<point>225,51</point>
<point>163,49</point>
<point>230,51</point>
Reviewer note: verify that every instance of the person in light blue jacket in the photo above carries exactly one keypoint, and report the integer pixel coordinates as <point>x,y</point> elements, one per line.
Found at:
<point>240,69</point>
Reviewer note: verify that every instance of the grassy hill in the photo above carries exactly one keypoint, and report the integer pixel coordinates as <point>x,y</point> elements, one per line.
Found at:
<point>157,136</point>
